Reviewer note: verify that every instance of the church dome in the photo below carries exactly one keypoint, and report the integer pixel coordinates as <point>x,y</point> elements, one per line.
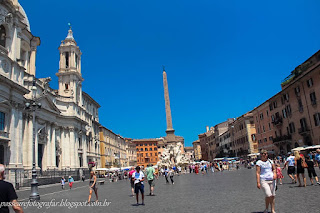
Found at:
<point>25,19</point>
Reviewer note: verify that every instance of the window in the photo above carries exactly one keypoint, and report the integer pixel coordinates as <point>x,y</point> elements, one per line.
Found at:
<point>67,59</point>
<point>263,129</point>
<point>269,126</point>
<point>76,60</point>
<point>286,97</point>
<point>270,138</point>
<point>274,104</point>
<point>146,144</point>
<point>155,148</point>
<point>141,155</point>
<point>66,86</point>
<point>137,149</point>
<point>284,113</point>
<point>303,123</point>
<point>145,149</point>
<point>147,155</point>
<point>3,36</point>
<point>300,105</point>
<point>150,154</point>
<point>291,128</point>
<point>267,113</point>
<point>297,91</point>
<point>261,116</point>
<point>150,149</point>
<point>288,108</point>
<point>156,154</point>
<point>141,149</point>
<point>2,120</point>
<point>313,98</point>
<point>309,82</point>
<point>265,139</point>
<point>316,119</point>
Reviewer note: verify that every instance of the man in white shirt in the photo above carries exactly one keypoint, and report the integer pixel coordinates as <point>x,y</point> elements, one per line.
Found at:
<point>138,178</point>
<point>291,168</point>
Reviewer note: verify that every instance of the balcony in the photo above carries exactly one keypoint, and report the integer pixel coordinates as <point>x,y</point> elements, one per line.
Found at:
<point>303,130</point>
<point>4,136</point>
<point>282,139</point>
<point>277,121</point>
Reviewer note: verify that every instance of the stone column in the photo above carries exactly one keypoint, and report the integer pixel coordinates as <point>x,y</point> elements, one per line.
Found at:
<point>13,137</point>
<point>48,153</point>
<point>20,141</point>
<point>72,148</point>
<point>53,146</point>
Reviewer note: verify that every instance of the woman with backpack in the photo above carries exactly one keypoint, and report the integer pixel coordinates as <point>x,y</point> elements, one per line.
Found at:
<point>301,164</point>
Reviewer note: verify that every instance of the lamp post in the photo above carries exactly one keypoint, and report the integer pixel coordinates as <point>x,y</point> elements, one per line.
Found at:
<point>32,105</point>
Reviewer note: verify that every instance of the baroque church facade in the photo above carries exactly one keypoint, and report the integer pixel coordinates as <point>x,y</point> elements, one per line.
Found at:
<point>66,125</point>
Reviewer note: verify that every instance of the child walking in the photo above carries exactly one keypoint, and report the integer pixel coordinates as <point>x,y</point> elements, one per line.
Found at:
<point>279,174</point>
<point>63,182</point>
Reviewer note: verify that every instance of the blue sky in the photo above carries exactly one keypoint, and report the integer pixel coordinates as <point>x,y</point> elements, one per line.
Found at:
<point>222,58</point>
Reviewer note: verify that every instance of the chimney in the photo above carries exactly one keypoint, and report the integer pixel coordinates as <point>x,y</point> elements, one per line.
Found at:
<point>207,127</point>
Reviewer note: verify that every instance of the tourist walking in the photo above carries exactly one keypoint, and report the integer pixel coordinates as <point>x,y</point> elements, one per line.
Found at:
<point>300,162</point>
<point>8,194</point>
<point>290,161</point>
<point>131,180</point>
<point>196,169</point>
<point>93,186</point>
<point>63,182</point>
<point>317,157</point>
<point>138,178</point>
<point>151,175</point>
<point>166,173</point>
<point>311,171</point>
<point>266,179</point>
<point>171,174</point>
<point>70,181</point>
<point>279,174</point>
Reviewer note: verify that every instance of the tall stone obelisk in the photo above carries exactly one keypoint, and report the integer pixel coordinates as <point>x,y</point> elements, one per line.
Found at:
<point>170,131</point>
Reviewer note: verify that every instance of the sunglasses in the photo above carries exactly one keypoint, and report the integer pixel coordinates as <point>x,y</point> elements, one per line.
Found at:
<point>264,153</point>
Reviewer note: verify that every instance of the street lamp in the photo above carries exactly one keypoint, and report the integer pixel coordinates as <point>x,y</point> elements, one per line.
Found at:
<point>32,106</point>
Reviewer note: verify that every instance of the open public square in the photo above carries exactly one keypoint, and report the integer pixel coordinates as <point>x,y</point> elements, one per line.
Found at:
<point>222,192</point>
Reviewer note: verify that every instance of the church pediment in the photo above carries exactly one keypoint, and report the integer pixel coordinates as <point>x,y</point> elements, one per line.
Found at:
<point>47,103</point>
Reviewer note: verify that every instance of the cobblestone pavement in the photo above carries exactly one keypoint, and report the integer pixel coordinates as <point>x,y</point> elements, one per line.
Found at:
<point>228,191</point>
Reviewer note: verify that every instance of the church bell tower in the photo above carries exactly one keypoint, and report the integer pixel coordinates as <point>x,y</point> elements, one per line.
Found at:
<point>69,74</point>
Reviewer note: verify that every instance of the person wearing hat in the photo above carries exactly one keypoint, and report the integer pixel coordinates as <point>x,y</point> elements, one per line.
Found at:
<point>266,179</point>
<point>70,180</point>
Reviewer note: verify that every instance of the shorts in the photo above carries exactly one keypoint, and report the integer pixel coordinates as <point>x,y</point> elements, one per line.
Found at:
<point>151,183</point>
<point>269,187</point>
<point>291,170</point>
<point>132,183</point>
<point>138,187</point>
<point>312,172</point>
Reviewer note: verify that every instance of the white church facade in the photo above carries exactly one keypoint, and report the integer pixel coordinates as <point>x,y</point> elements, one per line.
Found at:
<point>66,125</point>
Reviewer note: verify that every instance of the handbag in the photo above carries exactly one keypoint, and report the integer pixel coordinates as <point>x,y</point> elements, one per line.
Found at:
<point>303,163</point>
